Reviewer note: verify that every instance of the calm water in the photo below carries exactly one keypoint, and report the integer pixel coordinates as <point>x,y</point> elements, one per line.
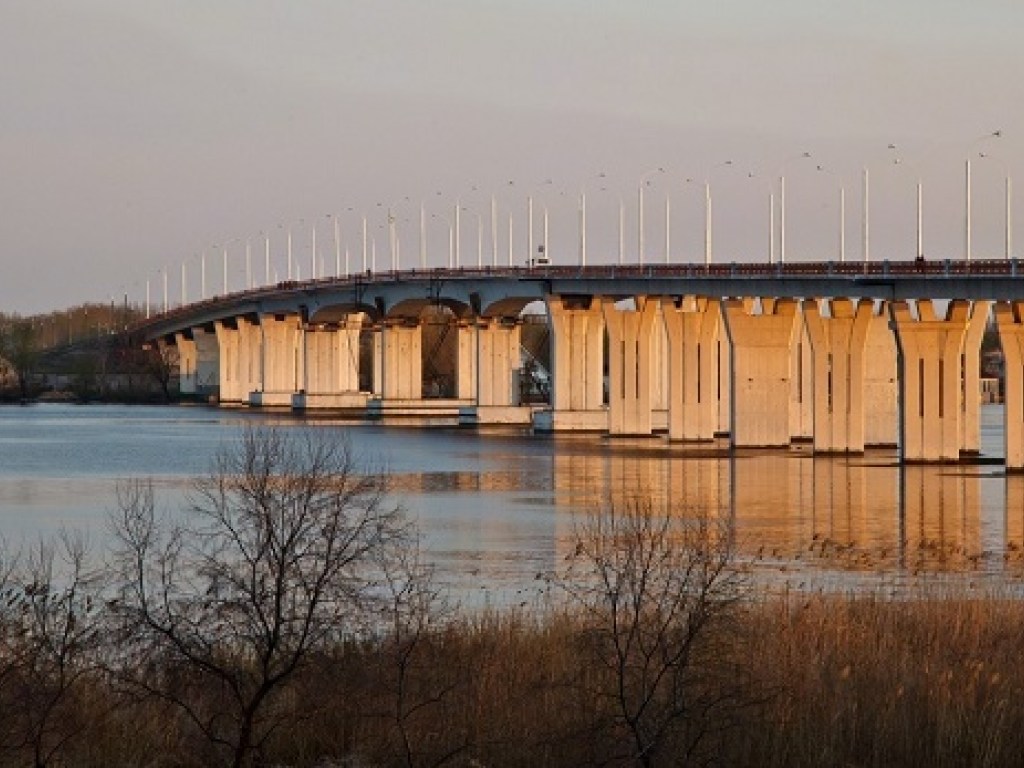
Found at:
<point>498,509</point>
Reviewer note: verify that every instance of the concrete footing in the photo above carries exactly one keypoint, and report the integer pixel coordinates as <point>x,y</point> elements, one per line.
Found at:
<point>330,401</point>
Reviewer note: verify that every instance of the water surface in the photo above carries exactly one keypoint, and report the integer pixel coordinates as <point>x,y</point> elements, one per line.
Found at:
<point>498,508</point>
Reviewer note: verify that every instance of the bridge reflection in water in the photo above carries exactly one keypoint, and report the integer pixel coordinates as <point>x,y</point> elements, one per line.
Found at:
<point>802,515</point>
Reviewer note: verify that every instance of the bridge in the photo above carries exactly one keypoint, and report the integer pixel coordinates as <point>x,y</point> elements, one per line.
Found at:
<point>843,355</point>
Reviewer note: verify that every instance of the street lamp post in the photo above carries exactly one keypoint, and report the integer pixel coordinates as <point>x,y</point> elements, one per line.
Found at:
<point>708,211</point>
<point>583,229</point>
<point>529,221</point>
<point>782,206</point>
<point>248,264</point>
<point>364,233</point>
<point>494,231</point>
<point>967,193</point>
<point>706,188</point>
<point>967,209</point>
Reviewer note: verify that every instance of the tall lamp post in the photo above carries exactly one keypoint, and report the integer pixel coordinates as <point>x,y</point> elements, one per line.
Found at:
<point>706,186</point>
<point>967,193</point>
<point>1008,233</point>
<point>622,222</point>
<point>782,205</point>
<point>529,220</point>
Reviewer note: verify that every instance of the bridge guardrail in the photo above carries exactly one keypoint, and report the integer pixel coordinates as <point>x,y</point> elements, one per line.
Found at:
<point>906,269</point>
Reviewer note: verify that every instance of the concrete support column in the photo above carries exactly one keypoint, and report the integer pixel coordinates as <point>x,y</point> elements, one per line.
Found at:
<point>332,357</point>
<point>577,364</point>
<point>498,359</point>
<point>318,356</point>
<point>837,344</point>
<point>801,404</point>
<point>762,346</point>
<point>402,361</point>
<point>282,363</point>
<point>378,360</point>
<point>930,360</point>
<point>187,361</point>
<point>249,354</point>
<point>230,373</point>
<point>207,360</point>
<point>659,377</point>
<point>331,366</point>
<point>346,346</point>
<point>970,401</point>
<point>467,364</point>
<point>723,362</point>
<point>1010,322</point>
<point>881,409</point>
<point>692,332</point>
<point>630,353</point>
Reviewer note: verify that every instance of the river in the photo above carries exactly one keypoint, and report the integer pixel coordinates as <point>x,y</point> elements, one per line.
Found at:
<point>497,509</point>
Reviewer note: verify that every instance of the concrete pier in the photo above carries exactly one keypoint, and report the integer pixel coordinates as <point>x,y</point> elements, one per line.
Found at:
<point>630,366</point>
<point>238,350</point>
<point>692,337</point>
<point>761,364</point>
<point>801,404</point>
<point>837,342</point>
<point>401,355</point>
<point>881,400</point>
<point>188,358</point>
<point>577,366</point>
<point>970,367</point>
<point>331,370</point>
<point>930,360</point>
<point>282,360</point>
<point>1010,322</point>
<point>497,361</point>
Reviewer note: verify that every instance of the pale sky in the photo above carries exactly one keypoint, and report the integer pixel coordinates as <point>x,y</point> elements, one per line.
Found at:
<point>135,134</point>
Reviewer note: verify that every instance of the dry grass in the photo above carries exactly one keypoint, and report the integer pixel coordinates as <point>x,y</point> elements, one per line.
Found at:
<point>826,680</point>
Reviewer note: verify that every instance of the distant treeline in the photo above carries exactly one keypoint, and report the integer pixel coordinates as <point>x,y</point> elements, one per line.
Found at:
<point>83,353</point>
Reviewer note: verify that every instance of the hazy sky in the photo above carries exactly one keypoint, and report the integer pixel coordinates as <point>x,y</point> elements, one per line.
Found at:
<point>135,134</point>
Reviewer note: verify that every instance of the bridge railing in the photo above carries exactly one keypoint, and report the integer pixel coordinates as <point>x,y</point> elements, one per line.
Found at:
<point>885,269</point>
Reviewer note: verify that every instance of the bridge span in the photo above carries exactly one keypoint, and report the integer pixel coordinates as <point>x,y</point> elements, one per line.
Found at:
<point>843,355</point>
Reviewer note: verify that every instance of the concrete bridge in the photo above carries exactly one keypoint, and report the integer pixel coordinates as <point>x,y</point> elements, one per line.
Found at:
<point>843,355</point>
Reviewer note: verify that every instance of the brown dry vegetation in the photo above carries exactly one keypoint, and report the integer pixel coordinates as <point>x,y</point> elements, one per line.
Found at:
<point>827,680</point>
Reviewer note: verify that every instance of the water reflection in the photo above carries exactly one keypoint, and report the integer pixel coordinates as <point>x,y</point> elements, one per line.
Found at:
<point>791,510</point>
<point>498,509</point>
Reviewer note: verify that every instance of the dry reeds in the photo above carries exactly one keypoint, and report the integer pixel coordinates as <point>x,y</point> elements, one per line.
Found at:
<point>827,680</point>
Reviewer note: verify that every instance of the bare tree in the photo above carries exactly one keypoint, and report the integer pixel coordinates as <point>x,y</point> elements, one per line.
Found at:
<point>20,348</point>
<point>160,361</point>
<point>276,561</point>
<point>655,588</point>
<point>412,617</point>
<point>49,649</point>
